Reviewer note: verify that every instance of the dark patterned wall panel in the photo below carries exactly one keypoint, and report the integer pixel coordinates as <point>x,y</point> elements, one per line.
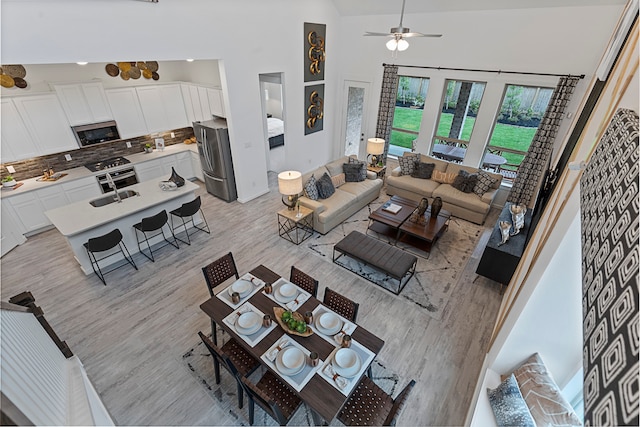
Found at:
<point>610,228</point>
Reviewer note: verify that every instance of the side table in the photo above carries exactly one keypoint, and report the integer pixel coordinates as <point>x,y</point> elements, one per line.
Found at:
<point>293,228</point>
<point>380,171</point>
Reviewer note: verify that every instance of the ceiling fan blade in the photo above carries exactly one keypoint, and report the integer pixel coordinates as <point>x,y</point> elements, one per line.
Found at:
<point>369,33</point>
<point>414,34</point>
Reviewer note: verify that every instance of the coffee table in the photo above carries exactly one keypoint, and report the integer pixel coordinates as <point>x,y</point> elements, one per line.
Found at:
<point>424,233</point>
<point>388,223</point>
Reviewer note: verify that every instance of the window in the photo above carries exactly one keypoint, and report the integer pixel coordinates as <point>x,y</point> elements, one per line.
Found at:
<point>520,114</point>
<point>407,114</point>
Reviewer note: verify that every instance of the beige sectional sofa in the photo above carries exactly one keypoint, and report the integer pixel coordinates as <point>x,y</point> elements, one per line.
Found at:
<point>348,198</point>
<point>468,206</point>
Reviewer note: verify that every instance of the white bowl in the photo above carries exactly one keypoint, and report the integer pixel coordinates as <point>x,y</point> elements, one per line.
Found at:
<point>347,362</point>
<point>248,320</point>
<point>10,183</point>
<point>330,322</point>
<point>287,290</point>
<point>242,287</point>
<point>292,358</point>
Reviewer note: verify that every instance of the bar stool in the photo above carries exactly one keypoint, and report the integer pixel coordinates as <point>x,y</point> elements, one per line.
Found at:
<point>149,225</point>
<point>188,210</point>
<point>105,243</point>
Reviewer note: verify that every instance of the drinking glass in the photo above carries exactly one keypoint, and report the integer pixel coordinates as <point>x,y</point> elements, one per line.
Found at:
<point>308,317</point>
<point>313,358</point>
<point>346,341</point>
<point>235,297</point>
<point>266,320</point>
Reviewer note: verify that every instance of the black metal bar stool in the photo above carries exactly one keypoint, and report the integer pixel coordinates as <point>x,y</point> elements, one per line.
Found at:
<point>188,210</point>
<point>149,225</point>
<point>106,243</point>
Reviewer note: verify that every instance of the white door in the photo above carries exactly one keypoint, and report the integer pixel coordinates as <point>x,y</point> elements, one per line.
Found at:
<point>353,128</point>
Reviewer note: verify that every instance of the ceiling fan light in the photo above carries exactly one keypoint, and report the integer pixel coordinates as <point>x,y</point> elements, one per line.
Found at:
<point>392,44</point>
<point>402,45</point>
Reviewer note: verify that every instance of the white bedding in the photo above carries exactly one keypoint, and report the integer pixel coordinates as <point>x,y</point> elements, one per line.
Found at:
<point>275,127</point>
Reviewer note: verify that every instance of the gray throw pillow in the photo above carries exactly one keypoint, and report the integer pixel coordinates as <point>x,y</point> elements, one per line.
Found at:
<point>408,163</point>
<point>363,169</point>
<point>485,182</point>
<point>508,405</point>
<point>353,172</point>
<point>465,181</point>
<point>423,170</point>
<point>325,186</point>
<point>310,188</point>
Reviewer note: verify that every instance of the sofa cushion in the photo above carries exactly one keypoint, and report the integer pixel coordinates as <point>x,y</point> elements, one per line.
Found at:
<point>408,162</point>
<point>340,202</point>
<point>363,171</point>
<point>353,172</point>
<point>310,189</point>
<point>421,187</point>
<point>440,165</point>
<point>508,405</point>
<point>465,181</point>
<point>363,190</point>
<point>325,187</point>
<point>423,170</point>
<point>338,180</point>
<point>335,167</point>
<point>453,196</point>
<point>443,177</point>
<point>484,183</point>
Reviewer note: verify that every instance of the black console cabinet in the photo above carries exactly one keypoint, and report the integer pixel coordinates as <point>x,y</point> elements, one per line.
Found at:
<point>499,262</point>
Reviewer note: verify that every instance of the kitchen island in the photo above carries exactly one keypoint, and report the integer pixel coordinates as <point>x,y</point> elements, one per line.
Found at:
<point>80,221</point>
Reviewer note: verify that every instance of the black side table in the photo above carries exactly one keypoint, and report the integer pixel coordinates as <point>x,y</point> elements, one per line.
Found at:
<point>500,262</point>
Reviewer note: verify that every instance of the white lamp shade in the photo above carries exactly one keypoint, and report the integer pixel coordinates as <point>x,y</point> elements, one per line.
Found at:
<point>392,44</point>
<point>290,183</point>
<point>402,45</point>
<point>375,146</point>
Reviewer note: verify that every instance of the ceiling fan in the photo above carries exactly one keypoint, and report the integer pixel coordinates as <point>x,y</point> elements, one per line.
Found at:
<point>399,34</point>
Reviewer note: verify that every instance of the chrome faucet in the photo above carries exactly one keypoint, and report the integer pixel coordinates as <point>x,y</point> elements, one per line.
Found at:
<point>116,196</point>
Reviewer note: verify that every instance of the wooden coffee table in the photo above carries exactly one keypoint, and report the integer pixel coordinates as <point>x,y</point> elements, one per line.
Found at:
<point>388,223</point>
<point>424,234</point>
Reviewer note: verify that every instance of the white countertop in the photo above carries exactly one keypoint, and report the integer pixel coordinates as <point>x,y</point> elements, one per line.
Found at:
<point>32,184</point>
<point>81,216</point>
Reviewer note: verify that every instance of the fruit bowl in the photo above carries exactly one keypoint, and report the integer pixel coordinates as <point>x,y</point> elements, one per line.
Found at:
<point>297,316</point>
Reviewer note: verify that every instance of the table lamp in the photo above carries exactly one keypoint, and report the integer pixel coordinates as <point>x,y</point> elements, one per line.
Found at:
<point>375,147</point>
<point>290,185</point>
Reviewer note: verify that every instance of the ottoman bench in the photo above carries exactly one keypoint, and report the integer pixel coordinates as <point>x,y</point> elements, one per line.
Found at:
<point>394,262</point>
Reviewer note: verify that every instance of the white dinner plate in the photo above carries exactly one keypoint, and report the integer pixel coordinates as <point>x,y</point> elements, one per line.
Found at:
<point>351,371</point>
<point>281,298</point>
<point>241,286</point>
<point>292,353</point>
<point>334,324</point>
<point>248,323</point>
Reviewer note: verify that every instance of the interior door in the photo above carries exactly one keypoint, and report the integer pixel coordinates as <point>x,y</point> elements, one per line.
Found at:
<point>353,128</point>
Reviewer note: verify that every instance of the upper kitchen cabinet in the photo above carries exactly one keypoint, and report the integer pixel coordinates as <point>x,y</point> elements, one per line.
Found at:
<point>162,107</point>
<point>46,123</point>
<point>16,141</point>
<point>202,102</point>
<point>216,102</point>
<point>127,112</point>
<point>84,103</point>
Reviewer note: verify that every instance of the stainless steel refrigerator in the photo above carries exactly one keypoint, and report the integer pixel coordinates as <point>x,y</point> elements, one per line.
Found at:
<point>215,156</point>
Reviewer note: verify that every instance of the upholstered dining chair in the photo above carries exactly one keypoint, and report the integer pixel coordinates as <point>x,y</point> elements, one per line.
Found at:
<point>217,273</point>
<point>303,280</point>
<point>273,396</point>
<point>369,405</point>
<point>341,304</point>
<point>234,358</point>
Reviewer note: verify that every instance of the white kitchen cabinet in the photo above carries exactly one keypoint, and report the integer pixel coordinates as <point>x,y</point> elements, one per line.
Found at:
<point>181,162</point>
<point>127,112</point>
<point>205,106</point>
<point>29,211</point>
<point>216,102</point>
<point>46,122</point>
<point>52,197</point>
<point>82,189</point>
<point>16,142</point>
<point>84,103</point>
<point>162,107</point>
<point>151,169</point>
<point>189,102</point>
<point>197,166</point>
<point>10,236</point>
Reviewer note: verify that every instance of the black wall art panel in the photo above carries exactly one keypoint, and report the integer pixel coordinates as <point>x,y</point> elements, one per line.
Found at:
<point>313,108</point>
<point>314,51</point>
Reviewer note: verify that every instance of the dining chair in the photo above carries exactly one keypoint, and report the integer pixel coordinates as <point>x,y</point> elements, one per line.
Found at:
<point>341,304</point>
<point>217,273</point>
<point>273,396</point>
<point>234,358</point>
<point>188,210</point>
<point>150,227</point>
<point>369,405</point>
<point>305,281</point>
<point>104,245</point>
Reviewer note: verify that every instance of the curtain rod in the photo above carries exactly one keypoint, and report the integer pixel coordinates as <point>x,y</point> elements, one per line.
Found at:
<point>487,71</point>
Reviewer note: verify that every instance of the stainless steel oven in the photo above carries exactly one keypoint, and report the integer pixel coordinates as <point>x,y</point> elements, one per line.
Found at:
<point>121,178</point>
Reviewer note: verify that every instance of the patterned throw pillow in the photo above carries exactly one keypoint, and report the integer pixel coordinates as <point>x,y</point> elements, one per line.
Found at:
<point>408,163</point>
<point>508,405</point>
<point>310,188</point>
<point>465,181</point>
<point>485,182</point>
<point>338,180</point>
<point>325,186</point>
<point>363,171</point>
<point>423,170</point>
<point>443,177</point>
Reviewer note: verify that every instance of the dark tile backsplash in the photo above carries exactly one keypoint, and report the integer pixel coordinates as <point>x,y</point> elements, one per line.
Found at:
<point>31,168</point>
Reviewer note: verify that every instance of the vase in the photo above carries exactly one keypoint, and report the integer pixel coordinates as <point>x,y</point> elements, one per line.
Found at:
<point>422,207</point>
<point>175,178</point>
<point>436,205</point>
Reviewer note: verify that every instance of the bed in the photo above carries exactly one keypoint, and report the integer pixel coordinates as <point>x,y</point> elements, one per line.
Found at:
<point>275,132</point>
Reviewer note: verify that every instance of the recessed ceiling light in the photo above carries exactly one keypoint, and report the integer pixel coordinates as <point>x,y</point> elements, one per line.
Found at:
<point>189,59</point>
<point>82,63</point>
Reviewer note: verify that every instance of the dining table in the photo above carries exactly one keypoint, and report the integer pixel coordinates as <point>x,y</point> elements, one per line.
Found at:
<point>320,392</point>
<point>457,154</point>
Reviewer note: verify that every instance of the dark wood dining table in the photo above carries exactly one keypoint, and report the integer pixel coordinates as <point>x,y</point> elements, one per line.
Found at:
<point>457,154</point>
<point>322,398</point>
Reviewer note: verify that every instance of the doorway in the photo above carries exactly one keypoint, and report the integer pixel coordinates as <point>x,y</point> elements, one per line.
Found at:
<point>353,127</point>
<point>273,112</point>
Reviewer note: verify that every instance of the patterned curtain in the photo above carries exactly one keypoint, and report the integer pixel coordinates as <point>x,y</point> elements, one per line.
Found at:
<point>387,105</point>
<point>537,159</point>
<point>610,263</point>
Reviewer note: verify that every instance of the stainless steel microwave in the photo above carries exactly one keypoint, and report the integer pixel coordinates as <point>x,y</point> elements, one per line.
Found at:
<point>96,133</point>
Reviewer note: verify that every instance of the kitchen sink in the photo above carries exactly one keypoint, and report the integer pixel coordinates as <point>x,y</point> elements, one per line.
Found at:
<point>111,198</point>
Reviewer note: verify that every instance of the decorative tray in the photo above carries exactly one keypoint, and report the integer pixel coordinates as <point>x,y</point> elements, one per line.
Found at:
<point>54,177</point>
<point>278,313</point>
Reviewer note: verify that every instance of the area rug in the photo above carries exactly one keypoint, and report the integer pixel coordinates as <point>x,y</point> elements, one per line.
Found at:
<point>199,362</point>
<point>437,273</point>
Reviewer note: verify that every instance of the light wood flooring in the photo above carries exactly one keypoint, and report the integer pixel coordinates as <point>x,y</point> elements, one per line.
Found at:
<point>131,334</point>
